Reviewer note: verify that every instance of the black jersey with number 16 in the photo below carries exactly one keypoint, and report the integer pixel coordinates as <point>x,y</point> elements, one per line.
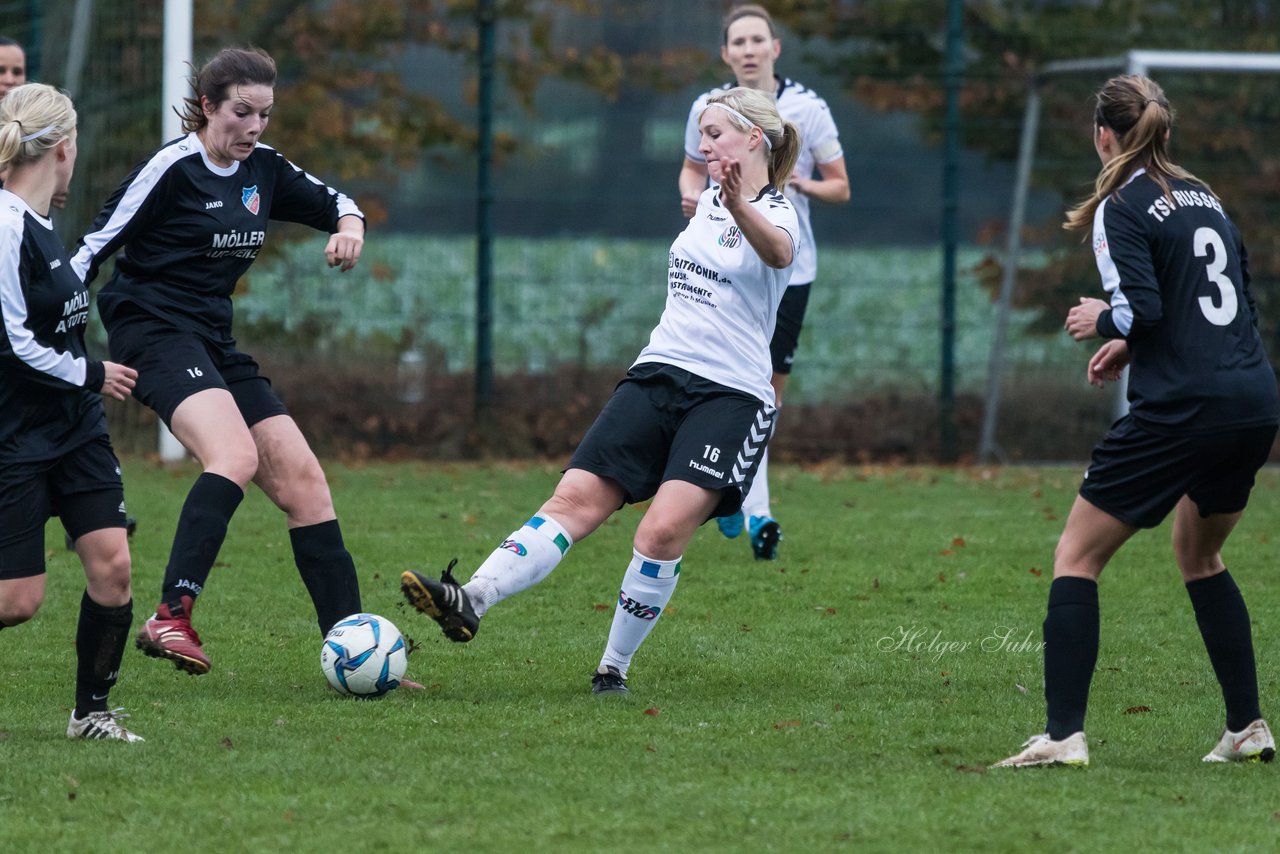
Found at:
<point>1178,275</point>
<point>189,229</point>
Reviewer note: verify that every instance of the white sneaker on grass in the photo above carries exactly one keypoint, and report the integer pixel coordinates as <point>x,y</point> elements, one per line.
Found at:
<point>1251,744</point>
<point>101,725</point>
<point>1042,750</point>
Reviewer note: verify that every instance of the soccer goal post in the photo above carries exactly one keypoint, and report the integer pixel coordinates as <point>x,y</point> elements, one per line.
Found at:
<point>1133,62</point>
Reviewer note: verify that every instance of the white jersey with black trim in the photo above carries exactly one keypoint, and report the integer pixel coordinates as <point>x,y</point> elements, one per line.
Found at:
<point>47,408</point>
<point>722,300</point>
<point>819,143</point>
<point>188,229</point>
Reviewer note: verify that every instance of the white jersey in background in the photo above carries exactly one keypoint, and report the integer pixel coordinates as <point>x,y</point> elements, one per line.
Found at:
<point>819,143</point>
<point>722,300</point>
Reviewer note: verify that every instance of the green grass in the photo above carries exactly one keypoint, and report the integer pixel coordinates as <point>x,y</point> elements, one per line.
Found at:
<point>766,713</point>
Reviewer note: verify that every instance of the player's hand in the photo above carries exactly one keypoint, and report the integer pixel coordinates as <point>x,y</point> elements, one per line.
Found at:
<point>730,182</point>
<point>118,381</point>
<point>688,206</point>
<point>1082,321</point>
<point>343,250</point>
<point>803,186</point>
<point>1108,363</point>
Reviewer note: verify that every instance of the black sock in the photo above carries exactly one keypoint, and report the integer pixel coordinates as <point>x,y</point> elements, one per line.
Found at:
<point>1070,653</point>
<point>1224,624</point>
<point>202,526</point>
<point>100,639</point>
<point>328,572</point>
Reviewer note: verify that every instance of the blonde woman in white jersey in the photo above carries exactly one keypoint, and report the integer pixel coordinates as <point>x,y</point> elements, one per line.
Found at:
<point>688,424</point>
<point>750,48</point>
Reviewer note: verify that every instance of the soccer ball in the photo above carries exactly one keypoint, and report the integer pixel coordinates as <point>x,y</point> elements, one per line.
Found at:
<point>363,656</point>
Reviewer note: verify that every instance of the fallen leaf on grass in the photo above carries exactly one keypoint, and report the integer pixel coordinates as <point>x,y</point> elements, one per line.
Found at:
<point>1037,573</point>
<point>875,584</point>
<point>744,627</point>
<point>226,742</point>
<point>957,543</point>
<point>600,606</point>
<point>1137,710</point>
<point>652,711</point>
<point>786,724</point>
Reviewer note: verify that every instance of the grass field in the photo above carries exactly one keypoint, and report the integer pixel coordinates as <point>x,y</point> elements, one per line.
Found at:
<point>847,697</point>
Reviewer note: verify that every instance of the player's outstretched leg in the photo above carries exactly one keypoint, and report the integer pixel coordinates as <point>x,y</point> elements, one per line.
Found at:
<point>443,601</point>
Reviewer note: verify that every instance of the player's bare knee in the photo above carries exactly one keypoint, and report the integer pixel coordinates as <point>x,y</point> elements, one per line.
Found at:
<point>15,610</point>
<point>659,541</point>
<point>110,578</point>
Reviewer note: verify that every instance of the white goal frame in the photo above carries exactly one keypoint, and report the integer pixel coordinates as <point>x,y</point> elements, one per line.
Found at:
<point>1132,62</point>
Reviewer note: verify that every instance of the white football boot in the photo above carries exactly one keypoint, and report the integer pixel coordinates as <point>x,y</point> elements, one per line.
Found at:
<point>1252,744</point>
<point>101,725</point>
<point>1042,750</point>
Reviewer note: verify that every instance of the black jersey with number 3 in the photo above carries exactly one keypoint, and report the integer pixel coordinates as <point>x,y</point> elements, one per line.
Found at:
<point>1178,275</point>
<point>188,230</point>
<point>47,383</point>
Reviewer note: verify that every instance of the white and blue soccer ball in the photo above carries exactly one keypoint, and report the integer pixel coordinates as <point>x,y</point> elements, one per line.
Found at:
<point>364,656</point>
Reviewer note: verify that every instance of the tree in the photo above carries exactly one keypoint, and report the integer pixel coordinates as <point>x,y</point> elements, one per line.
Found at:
<point>889,61</point>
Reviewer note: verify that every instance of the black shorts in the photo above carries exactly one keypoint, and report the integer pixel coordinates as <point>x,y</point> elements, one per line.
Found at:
<point>663,423</point>
<point>82,488</point>
<point>786,331</point>
<point>1138,476</point>
<point>172,365</point>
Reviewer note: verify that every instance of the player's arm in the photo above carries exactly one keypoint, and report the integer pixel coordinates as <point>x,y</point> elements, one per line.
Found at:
<point>1128,274</point>
<point>693,180</point>
<point>772,243</point>
<point>832,187</point>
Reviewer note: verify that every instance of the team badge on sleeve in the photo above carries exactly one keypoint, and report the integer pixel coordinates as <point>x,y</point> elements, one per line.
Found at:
<point>251,199</point>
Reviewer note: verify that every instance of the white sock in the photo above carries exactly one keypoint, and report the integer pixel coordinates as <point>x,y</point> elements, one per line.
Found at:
<point>523,559</point>
<point>646,590</point>
<point>757,501</point>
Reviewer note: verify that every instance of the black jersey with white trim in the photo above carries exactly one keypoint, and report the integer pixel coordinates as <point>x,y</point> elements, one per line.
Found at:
<point>187,230</point>
<point>1178,275</point>
<point>47,382</point>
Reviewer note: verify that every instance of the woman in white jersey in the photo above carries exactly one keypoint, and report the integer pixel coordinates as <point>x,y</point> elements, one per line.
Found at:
<point>750,48</point>
<point>689,423</point>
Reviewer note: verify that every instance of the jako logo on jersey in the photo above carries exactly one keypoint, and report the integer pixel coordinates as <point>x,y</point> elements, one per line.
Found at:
<point>55,264</point>
<point>637,609</point>
<point>250,197</point>
<point>513,546</point>
<point>731,237</point>
<point>211,205</point>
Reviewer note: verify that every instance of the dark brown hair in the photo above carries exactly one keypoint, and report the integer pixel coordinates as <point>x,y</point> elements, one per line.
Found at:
<point>748,10</point>
<point>232,66</point>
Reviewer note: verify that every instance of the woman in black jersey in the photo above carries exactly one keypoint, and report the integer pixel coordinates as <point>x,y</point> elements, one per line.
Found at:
<point>187,223</point>
<point>55,456</point>
<point>1202,416</point>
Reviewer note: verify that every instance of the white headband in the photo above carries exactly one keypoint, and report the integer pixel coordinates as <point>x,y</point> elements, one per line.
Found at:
<point>746,121</point>
<point>38,133</point>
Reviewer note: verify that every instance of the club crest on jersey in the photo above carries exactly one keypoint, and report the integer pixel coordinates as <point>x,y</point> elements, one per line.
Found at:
<point>252,201</point>
<point>730,238</point>
<point>513,546</point>
<point>1099,244</point>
